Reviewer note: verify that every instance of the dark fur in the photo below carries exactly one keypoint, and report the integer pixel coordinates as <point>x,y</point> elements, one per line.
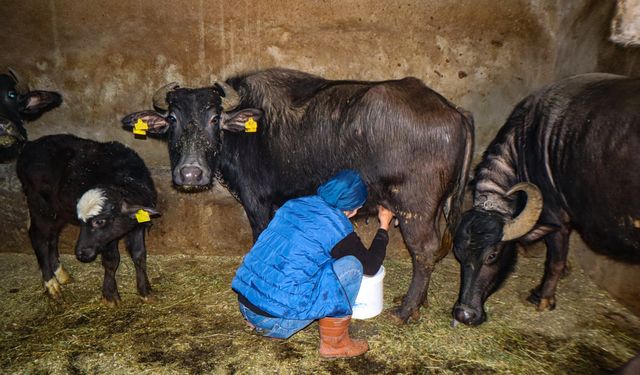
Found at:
<point>55,171</point>
<point>578,141</point>
<point>411,146</point>
<point>475,241</point>
<point>15,109</point>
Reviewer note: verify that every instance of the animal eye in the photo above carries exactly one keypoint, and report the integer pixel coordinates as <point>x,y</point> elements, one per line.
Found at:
<point>215,120</point>
<point>98,223</point>
<point>171,118</point>
<point>12,95</point>
<point>491,257</point>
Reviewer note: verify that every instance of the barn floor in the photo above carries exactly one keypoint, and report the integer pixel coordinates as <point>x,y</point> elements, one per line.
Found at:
<point>195,327</point>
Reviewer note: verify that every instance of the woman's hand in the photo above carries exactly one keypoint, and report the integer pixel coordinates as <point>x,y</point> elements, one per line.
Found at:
<point>385,216</point>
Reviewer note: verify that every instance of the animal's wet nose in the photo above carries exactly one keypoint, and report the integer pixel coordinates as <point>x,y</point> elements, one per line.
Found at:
<point>464,315</point>
<point>191,175</point>
<point>86,255</point>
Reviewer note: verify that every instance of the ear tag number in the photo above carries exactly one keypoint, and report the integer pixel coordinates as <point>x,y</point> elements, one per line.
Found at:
<point>140,128</point>
<point>251,126</point>
<point>142,216</point>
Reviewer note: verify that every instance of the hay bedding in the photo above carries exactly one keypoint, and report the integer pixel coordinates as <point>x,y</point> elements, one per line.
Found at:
<point>195,327</point>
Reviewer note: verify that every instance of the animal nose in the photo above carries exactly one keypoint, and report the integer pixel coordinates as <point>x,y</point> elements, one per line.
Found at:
<point>86,255</point>
<point>9,128</point>
<point>4,125</point>
<point>191,175</point>
<point>464,315</point>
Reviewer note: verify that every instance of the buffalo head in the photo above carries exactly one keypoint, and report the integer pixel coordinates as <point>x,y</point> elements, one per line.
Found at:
<point>105,216</point>
<point>194,121</point>
<point>19,104</point>
<point>484,245</point>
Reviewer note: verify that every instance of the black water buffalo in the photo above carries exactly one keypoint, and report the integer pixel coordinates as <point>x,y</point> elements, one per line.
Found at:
<point>17,105</point>
<point>277,134</point>
<point>573,148</point>
<point>101,187</point>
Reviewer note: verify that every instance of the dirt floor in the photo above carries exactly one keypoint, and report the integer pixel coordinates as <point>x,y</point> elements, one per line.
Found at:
<point>194,326</point>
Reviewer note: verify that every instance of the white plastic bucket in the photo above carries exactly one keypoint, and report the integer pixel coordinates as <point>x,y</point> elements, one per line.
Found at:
<point>369,302</point>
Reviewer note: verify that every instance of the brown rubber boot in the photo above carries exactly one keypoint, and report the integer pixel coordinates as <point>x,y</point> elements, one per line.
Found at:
<point>335,341</point>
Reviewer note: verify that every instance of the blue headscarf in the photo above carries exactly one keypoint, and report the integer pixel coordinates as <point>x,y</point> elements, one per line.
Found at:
<point>345,191</point>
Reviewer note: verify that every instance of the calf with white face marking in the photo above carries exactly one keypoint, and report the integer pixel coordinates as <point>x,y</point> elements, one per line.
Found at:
<point>276,134</point>
<point>573,148</point>
<point>101,187</point>
<point>17,105</point>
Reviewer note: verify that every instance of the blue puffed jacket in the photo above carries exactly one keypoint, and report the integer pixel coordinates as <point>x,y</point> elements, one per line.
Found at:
<point>288,273</point>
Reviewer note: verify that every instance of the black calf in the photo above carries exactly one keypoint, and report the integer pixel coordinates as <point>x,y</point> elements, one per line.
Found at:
<point>100,186</point>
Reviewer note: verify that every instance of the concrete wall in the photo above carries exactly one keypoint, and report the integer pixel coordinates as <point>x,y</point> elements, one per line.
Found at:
<point>108,57</point>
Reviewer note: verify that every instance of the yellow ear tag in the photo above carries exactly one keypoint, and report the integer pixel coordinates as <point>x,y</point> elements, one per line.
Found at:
<point>140,128</point>
<point>142,216</point>
<point>251,126</point>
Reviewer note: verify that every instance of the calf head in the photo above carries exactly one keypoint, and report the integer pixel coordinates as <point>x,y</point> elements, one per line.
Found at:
<point>194,121</point>
<point>19,104</point>
<point>105,215</point>
<point>484,245</point>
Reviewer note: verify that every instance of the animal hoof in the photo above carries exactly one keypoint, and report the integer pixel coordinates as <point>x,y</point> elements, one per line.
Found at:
<point>111,303</point>
<point>53,289</point>
<point>397,316</point>
<point>548,303</point>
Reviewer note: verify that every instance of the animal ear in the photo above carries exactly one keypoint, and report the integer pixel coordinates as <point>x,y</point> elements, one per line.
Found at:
<point>538,232</point>
<point>156,122</point>
<point>132,209</point>
<point>35,103</point>
<point>237,121</point>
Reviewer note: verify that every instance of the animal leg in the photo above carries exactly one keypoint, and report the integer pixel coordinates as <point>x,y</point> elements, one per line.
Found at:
<point>110,262</point>
<point>138,252</point>
<point>39,234</point>
<point>544,295</point>
<point>60,273</point>
<point>422,241</point>
<point>259,217</point>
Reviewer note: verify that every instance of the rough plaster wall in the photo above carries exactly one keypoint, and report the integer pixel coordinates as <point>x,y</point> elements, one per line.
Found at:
<point>108,57</point>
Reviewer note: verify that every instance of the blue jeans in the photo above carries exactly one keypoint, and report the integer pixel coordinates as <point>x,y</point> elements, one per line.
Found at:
<point>349,272</point>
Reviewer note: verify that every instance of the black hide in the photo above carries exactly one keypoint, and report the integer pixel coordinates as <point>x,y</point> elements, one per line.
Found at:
<point>411,146</point>
<point>578,141</point>
<point>55,171</point>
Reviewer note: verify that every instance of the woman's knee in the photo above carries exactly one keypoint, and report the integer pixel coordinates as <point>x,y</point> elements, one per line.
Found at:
<point>346,264</point>
<point>349,272</point>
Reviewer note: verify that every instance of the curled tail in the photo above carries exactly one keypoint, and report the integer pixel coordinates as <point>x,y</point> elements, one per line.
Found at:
<point>453,209</point>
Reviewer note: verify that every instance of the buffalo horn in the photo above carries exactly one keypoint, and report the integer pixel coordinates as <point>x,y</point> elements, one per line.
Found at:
<point>523,223</point>
<point>231,99</point>
<point>21,86</point>
<point>160,96</point>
